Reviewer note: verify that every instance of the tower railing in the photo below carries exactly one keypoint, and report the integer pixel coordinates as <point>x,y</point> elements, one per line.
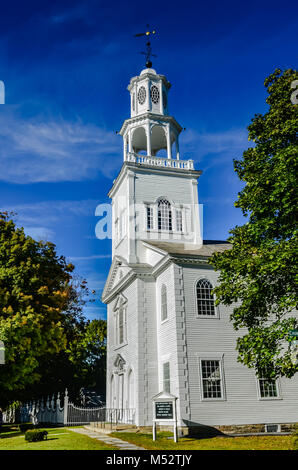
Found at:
<point>160,161</point>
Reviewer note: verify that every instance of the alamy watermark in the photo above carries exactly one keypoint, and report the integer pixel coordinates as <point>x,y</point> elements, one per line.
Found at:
<point>294,95</point>
<point>2,92</point>
<point>119,221</point>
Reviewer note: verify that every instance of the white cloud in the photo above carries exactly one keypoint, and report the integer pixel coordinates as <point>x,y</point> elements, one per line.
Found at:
<point>40,233</point>
<point>88,258</point>
<point>223,146</point>
<point>57,150</point>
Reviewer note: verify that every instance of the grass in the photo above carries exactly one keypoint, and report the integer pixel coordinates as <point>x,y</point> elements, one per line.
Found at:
<point>215,443</point>
<point>64,439</point>
<point>58,439</point>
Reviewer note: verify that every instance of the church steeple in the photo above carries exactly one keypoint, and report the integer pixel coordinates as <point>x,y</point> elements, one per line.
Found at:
<point>150,128</point>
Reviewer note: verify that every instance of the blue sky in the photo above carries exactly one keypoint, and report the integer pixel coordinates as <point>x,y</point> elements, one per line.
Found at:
<point>66,66</point>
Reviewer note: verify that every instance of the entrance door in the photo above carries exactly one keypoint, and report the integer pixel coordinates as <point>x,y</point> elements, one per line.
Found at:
<point>120,397</point>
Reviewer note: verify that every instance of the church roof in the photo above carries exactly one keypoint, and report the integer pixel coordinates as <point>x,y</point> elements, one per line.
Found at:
<point>207,249</point>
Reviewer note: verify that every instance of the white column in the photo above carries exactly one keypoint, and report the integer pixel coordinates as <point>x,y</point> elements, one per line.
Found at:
<point>131,229</point>
<point>195,213</point>
<point>169,150</point>
<point>125,138</point>
<point>148,134</point>
<point>130,140</point>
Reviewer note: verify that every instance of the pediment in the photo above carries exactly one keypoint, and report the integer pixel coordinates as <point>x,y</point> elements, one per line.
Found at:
<point>118,270</point>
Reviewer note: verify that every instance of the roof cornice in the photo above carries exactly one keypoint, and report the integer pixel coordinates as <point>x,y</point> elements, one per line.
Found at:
<point>149,116</point>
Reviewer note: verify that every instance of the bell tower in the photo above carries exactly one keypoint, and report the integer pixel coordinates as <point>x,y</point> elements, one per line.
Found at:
<point>154,196</point>
<point>150,128</point>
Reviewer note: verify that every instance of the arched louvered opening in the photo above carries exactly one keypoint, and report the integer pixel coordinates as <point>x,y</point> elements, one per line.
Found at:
<point>205,298</point>
<point>139,140</point>
<point>158,140</point>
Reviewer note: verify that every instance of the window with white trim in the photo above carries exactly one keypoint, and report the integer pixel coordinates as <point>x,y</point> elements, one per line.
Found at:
<point>205,298</point>
<point>166,377</point>
<point>179,220</point>
<point>149,213</point>
<point>164,303</point>
<point>120,318</point>
<point>211,376</point>
<point>164,215</point>
<point>268,388</point>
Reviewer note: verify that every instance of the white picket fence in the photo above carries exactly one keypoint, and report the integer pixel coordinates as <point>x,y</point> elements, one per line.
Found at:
<point>51,411</point>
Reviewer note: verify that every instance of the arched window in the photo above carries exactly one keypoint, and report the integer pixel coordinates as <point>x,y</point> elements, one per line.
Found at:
<point>164,215</point>
<point>120,321</point>
<point>205,299</point>
<point>164,303</point>
<point>121,324</point>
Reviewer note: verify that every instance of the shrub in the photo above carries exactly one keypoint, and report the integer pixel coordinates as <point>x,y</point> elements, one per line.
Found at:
<point>34,435</point>
<point>23,427</point>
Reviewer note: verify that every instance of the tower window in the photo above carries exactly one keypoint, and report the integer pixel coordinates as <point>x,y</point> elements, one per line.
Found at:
<point>149,217</point>
<point>164,215</point>
<point>205,299</point>
<point>178,220</point>
<point>142,95</point>
<point>164,303</point>
<point>154,92</point>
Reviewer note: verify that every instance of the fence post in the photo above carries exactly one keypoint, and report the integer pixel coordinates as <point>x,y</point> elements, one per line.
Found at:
<point>65,407</point>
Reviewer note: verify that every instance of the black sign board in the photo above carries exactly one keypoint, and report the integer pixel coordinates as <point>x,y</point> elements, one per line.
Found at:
<point>163,410</point>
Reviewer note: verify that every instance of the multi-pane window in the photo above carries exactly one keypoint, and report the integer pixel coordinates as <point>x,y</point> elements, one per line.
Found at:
<point>166,377</point>
<point>164,215</point>
<point>178,220</point>
<point>211,379</point>
<point>268,388</point>
<point>121,323</point>
<point>164,306</point>
<point>149,218</point>
<point>205,299</point>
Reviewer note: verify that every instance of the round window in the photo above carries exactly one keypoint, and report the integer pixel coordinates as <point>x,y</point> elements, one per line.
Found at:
<point>141,95</point>
<point>154,94</point>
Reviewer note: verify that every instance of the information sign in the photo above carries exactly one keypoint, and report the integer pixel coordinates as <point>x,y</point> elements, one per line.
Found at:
<point>164,410</point>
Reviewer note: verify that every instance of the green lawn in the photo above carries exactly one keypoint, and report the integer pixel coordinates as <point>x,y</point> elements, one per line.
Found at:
<point>214,443</point>
<point>58,439</point>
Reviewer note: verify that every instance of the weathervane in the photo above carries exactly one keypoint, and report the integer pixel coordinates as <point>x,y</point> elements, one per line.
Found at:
<point>148,53</point>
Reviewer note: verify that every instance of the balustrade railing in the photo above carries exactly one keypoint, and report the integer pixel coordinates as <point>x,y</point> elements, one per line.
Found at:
<point>159,161</point>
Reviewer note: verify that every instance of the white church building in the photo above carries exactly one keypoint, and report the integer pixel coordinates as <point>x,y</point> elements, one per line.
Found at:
<point>165,333</point>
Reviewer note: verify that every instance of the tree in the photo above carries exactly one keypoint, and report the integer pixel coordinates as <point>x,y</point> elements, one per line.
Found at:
<point>259,272</point>
<point>41,319</point>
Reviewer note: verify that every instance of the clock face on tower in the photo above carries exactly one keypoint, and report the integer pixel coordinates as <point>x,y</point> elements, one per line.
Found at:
<point>141,95</point>
<point>154,94</point>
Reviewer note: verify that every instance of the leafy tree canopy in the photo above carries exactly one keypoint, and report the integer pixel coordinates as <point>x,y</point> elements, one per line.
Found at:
<point>259,272</point>
<point>49,344</point>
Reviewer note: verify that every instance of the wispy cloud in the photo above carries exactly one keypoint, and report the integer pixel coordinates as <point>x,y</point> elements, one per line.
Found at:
<point>89,258</point>
<point>54,151</point>
<point>222,146</point>
<point>40,219</point>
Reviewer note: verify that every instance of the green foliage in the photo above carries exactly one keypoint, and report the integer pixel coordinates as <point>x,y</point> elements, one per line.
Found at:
<point>35,435</point>
<point>259,272</point>
<point>49,344</point>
